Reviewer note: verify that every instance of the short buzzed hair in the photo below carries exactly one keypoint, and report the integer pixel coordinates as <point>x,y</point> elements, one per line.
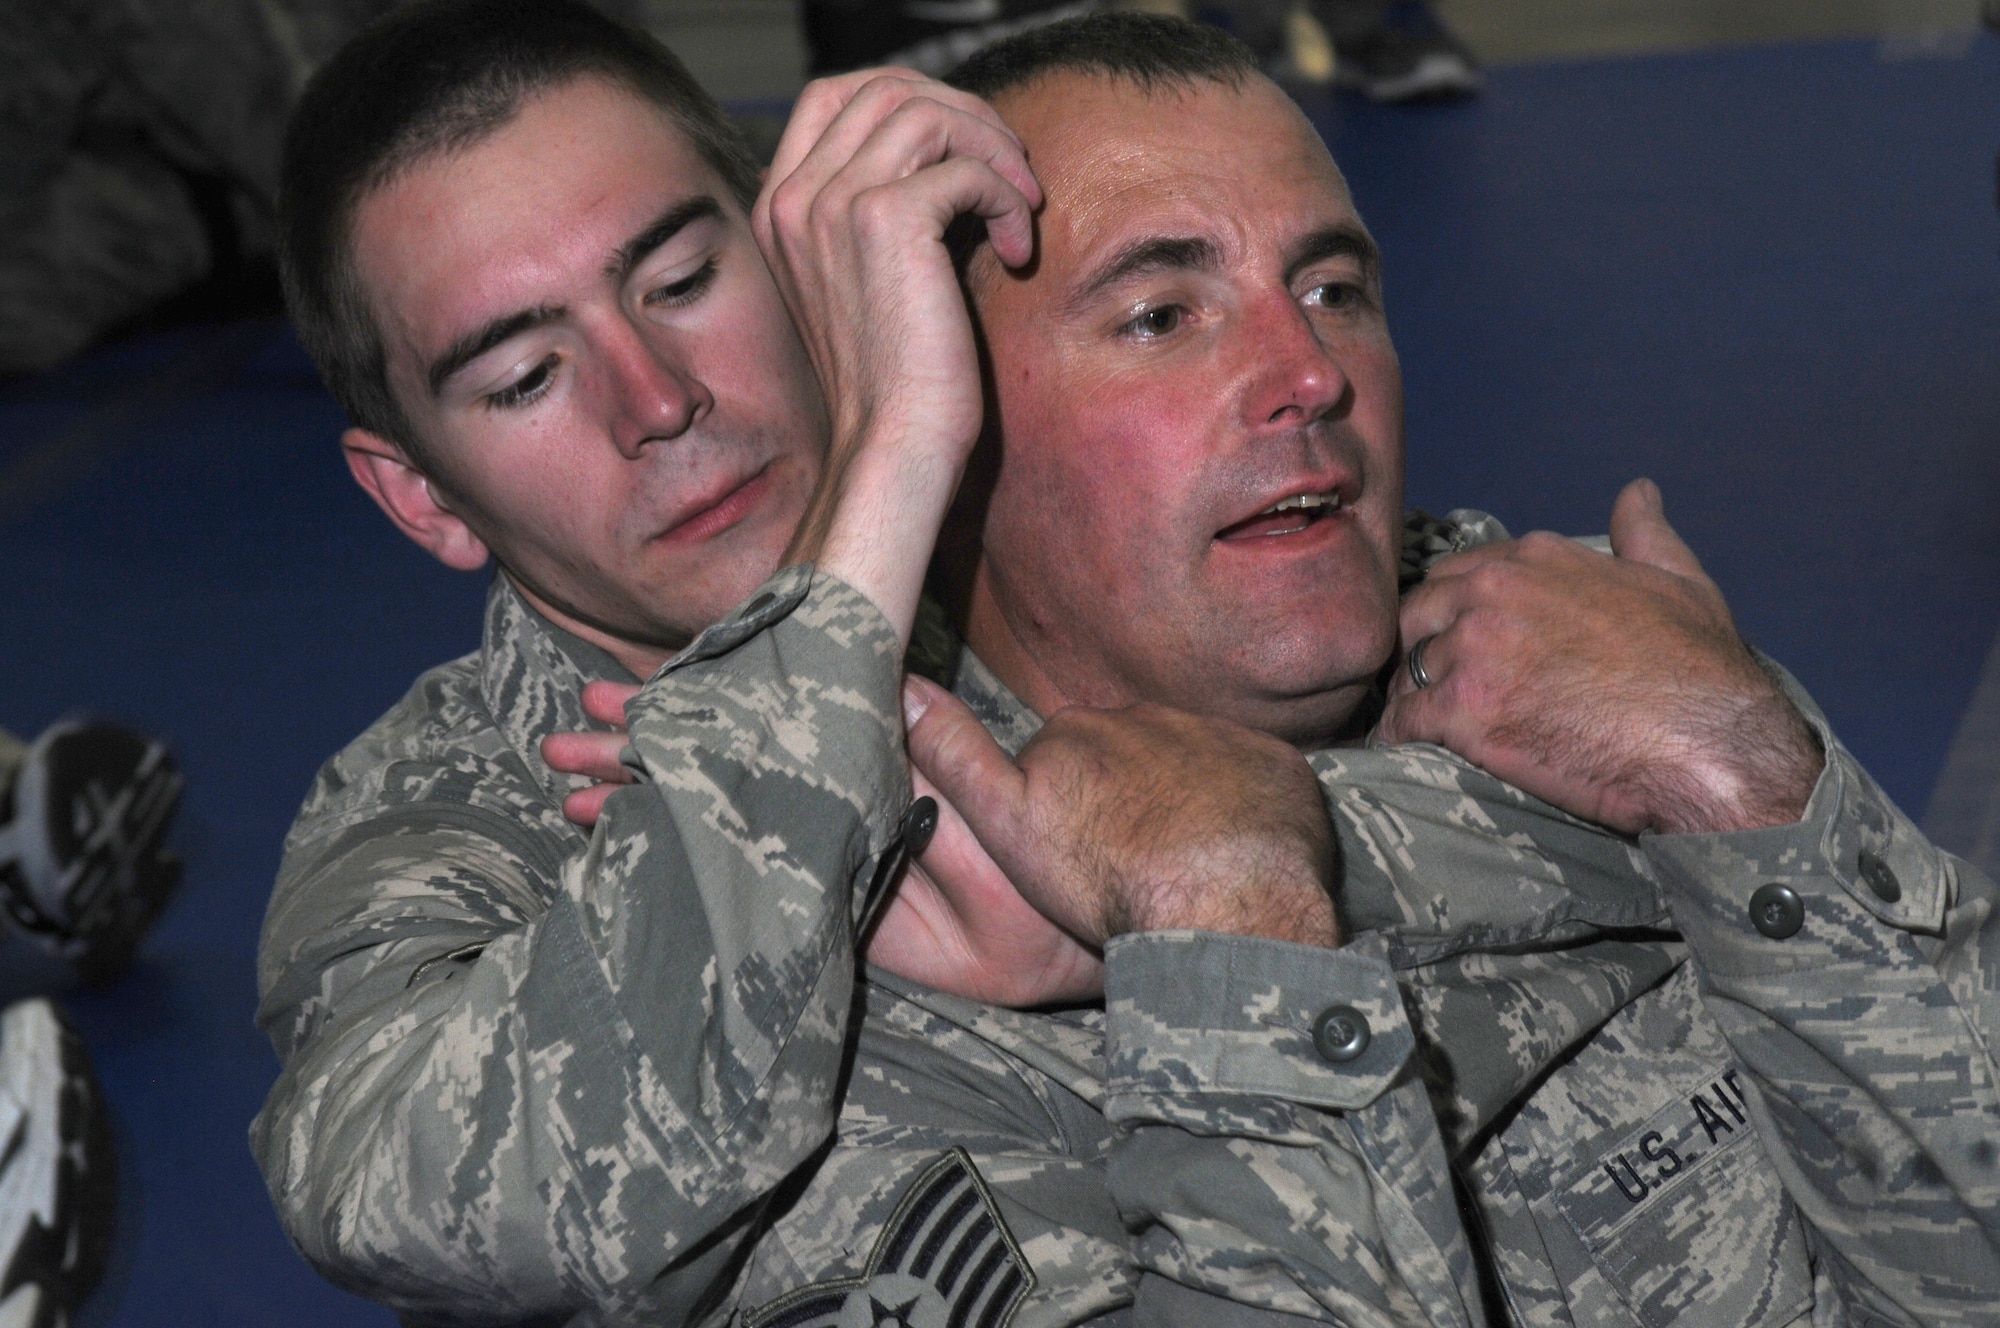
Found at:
<point>437,77</point>
<point>1150,50</point>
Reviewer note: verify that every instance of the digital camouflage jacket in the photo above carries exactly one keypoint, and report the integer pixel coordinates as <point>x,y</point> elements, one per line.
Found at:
<point>1557,1076</point>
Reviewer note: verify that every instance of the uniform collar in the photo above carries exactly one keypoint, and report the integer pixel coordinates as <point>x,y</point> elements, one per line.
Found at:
<point>532,673</point>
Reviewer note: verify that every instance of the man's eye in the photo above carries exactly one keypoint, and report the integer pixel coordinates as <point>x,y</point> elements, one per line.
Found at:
<point>686,290</point>
<point>1334,295</point>
<point>525,388</point>
<point>1157,321</point>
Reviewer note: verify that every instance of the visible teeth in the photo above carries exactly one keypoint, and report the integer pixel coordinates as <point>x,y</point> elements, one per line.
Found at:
<point>1304,502</point>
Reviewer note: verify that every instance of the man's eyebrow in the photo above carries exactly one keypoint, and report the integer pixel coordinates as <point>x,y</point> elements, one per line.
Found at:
<point>1159,253</point>
<point>630,254</point>
<point>477,342</point>
<point>1335,241</point>
<point>665,227</point>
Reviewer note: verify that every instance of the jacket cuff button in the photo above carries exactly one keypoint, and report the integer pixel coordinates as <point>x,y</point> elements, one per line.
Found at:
<point>1879,878</point>
<point>1340,1033</point>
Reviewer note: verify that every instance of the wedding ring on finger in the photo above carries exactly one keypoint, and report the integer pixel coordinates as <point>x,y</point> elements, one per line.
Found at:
<point>1418,678</point>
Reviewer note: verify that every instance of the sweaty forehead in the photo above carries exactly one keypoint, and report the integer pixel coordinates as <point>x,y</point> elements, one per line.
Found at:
<point>1114,157</point>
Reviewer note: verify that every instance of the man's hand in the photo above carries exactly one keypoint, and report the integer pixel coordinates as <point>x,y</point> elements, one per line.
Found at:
<point>956,923</point>
<point>1615,688</point>
<point>591,754</point>
<point>1141,819</point>
<point>872,170</point>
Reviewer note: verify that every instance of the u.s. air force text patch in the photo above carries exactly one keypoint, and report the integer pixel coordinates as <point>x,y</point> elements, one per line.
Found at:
<point>944,1260</point>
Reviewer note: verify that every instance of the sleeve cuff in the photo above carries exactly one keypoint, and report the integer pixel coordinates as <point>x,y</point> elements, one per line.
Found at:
<point>1199,1012</point>
<point>770,603</point>
<point>1853,856</point>
<point>800,684</point>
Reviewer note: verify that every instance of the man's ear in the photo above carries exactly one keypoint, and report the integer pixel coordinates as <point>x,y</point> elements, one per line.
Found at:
<point>411,500</point>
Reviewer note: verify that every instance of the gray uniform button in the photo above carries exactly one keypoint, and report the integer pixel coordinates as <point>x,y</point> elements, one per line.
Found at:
<point>1340,1033</point>
<point>918,825</point>
<point>1776,911</point>
<point>1880,879</point>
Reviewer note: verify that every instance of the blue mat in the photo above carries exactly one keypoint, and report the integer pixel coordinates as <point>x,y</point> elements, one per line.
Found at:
<point>1770,279</point>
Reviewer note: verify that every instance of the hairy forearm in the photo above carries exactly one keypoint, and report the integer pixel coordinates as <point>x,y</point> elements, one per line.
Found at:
<point>1272,899</point>
<point>1747,762</point>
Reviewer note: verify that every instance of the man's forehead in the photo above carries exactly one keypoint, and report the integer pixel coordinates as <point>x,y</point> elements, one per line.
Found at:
<point>1115,157</point>
<point>543,201</point>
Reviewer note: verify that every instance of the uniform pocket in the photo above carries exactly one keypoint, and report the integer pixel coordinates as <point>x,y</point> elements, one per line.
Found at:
<point>1688,1223</point>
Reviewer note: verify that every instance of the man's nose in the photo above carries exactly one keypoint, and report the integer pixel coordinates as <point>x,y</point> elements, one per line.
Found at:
<point>654,393</point>
<point>1294,376</point>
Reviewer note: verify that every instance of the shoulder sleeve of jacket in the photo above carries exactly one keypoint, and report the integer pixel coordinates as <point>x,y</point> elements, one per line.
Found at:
<point>1274,1151</point>
<point>494,1111</point>
<point>1855,969</point>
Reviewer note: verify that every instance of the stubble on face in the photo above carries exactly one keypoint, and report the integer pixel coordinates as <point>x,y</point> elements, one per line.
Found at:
<point>1240,359</point>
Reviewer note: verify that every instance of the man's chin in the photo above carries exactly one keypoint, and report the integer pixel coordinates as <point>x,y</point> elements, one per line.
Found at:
<point>1315,719</point>
<point>1307,693</point>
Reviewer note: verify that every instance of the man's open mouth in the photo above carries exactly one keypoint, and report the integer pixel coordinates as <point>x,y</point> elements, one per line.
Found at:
<point>1287,516</point>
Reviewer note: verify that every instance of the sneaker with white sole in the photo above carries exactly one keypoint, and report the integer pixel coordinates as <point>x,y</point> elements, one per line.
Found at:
<point>82,869</point>
<point>58,1180</point>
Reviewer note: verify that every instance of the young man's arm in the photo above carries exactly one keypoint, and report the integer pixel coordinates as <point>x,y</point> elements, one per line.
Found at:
<point>499,1105</point>
<point>589,1105</point>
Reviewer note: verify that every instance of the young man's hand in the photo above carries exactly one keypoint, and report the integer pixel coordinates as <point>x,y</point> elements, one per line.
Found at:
<point>955,922</point>
<point>1615,688</point>
<point>873,168</point>
<point>592,754</point>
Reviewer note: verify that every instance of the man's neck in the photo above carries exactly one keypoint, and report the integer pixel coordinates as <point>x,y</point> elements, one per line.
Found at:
<point>642,659</point>
<point>1329,720</point>
<point>991,638</point>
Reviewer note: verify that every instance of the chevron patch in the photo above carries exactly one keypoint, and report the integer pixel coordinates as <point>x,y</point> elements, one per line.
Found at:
<point>944,1260</point>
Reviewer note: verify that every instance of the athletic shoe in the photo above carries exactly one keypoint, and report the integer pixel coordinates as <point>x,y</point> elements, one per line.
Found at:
<point>929,36</point>
<point>82,870</point>
<point>1310,59</point>
<point>1289,42</point>
<point>58,1183</point>
<point>1405,54</point>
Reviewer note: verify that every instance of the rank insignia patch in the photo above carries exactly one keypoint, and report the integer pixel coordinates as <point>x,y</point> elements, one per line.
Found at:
<point>944,1260</point>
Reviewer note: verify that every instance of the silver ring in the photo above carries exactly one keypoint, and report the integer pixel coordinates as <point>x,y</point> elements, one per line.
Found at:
<point>1416,663</point>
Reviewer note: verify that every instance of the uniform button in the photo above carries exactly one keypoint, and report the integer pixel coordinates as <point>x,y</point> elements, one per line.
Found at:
<point>919,824</point>
<point>763,601</point>
<point>1776,911</point>
<point>1880,879</point>
<point>1340,1033</point>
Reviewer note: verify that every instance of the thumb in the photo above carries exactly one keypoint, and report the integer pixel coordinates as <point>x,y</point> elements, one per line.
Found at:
<point>1639,532</point>
<point>952,749</point>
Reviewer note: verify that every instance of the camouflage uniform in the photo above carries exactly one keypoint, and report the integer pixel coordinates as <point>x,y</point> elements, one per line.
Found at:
<point>530,1077</point>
